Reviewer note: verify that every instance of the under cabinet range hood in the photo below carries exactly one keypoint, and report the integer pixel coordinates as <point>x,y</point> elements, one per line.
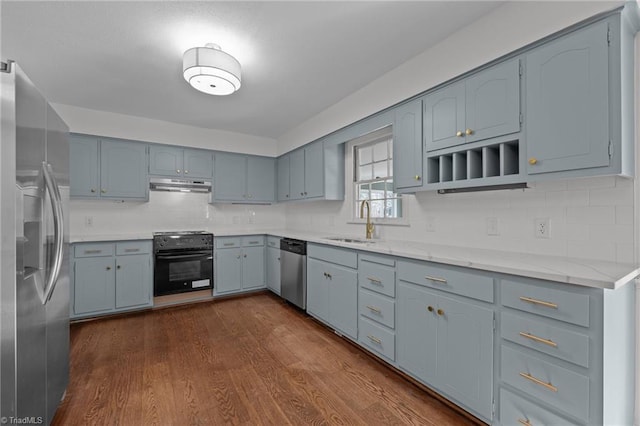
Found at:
<point>179,185</point>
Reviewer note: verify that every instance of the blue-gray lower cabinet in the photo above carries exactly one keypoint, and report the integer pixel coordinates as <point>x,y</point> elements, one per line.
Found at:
<point>239,264</point>
<point>110,277</point>
<point>447,343</point>
<point>332,287</point>
<point>273,264</point>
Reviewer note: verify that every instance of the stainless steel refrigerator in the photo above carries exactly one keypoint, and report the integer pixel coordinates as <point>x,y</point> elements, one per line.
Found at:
<point>34,251</point>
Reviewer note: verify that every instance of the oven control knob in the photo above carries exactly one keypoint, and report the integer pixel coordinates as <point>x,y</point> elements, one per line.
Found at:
<point>161,244</point>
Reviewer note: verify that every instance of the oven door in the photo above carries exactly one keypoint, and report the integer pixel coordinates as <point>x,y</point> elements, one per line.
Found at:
<point>182,272</point>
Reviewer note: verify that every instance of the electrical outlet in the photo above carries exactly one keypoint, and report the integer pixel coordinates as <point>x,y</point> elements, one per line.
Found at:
<point>492,226</point>
<point>542,229</point>
<point>88,221</point>
<point>431,224</point>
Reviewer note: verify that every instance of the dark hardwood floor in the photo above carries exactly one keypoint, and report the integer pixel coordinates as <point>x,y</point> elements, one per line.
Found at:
<point>252,360</point>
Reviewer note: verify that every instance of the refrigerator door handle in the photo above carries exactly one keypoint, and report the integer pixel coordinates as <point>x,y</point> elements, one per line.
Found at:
<point>58,227</point>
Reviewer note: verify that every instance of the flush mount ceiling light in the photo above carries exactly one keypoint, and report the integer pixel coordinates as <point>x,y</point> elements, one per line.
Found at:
<point>210,70</point>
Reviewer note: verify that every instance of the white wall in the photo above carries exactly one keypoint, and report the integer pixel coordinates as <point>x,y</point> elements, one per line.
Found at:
<point>83,120</point>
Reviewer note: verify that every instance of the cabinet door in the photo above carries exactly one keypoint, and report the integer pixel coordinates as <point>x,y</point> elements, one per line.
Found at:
<point>314,170</point>
<point>493,102</point>
<point>253,268</point>
<point>273,269</point>
<point>568,102</point>
<point>444,117</point>
<point>343,299</point>
<point>133,280</point>
<point>228,271</point>
<point>407,145</point>
<point>230,177</point>
<point>165,160</point>
<point>83,166</point>
<point>465,353</point>
<point>261,179</point>
<point>122,169</point>
<point>417,331</point>
<point>283,178</point>
<point>296,169</point>
<point>94,285</point>
<point>317,289</point>
<point>198,163</point>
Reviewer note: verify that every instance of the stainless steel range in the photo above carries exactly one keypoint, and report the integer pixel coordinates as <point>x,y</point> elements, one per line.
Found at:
<point>183,262</point>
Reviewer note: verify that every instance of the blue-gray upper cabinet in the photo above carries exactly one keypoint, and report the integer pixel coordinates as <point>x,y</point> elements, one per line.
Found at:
<point>568,102</point>
<point>317,171</point>
<point>283,184</point>
<point>107,168</point>
<point>407,145</point>
<point>483,106</point>
<point>244,178</point>
<point>180,162</point>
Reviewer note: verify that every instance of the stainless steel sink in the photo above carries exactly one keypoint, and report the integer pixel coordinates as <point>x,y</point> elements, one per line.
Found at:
<point>349,240</point>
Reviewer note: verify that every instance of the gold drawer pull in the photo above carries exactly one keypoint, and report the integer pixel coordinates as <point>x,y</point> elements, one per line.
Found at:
<point>228,244</point>
<point>539,302</point>
<point>374,280</point>
<point>525,422</point>
<point>436,279</point>
<point>374,339</point>
<point>539,382</point>
<point>92,251</point>
<point>373,309</point>
<point>131,250</point>
<point>539,339</point>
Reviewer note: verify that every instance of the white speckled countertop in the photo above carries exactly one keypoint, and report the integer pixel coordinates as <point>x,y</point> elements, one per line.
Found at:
<point>589,273</point>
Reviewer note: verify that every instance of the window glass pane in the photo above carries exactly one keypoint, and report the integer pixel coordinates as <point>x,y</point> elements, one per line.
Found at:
<point>363,192</point>
<point>377,191</point>
<point>377,208</point>
<point>389,189</point>
<point>380,170</point>
<point>365,155</point>
<point>365,172</point>
<point>380,151</point>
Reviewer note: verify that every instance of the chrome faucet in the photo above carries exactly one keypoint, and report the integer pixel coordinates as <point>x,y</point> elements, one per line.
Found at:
<point>369,224</point>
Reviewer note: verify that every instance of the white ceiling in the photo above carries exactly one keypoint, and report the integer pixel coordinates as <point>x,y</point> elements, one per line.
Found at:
<point>298,58</point>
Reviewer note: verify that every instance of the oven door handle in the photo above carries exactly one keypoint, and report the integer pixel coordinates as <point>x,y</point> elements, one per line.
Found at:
<point>207,256</point>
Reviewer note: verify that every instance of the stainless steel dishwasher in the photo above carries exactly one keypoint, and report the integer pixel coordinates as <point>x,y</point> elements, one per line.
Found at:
<point>293,271</point>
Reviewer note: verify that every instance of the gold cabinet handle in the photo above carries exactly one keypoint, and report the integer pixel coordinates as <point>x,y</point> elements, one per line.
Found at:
<point>245,255</point>
<point>118,267</point>
<point>538,302</point>
<point>440,312</point>
<point>228,244</point>
<point>93,190</point>
<point>103,191</point>
<point>374,280</point>
<point>238,257</point>
<point>177,170</point>
<point>525,422</point>
<point>186,172</point>
<point>435,279</point>
<point>533,161</point>
<point>459,134</point>
<point>374,339</point>
<point>417,177</point>
<point>430,308</point>
<point>374,309</point>
<point>539,382</point>
<point>108,268</point>
<point>539,339</point>
<point>468,132</point>
<point>92,251</point>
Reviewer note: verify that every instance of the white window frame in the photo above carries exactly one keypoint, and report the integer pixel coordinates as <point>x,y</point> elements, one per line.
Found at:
<point>369,139</point>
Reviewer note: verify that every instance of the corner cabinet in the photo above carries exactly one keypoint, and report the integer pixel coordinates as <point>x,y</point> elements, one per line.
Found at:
<point>244,179</point>
<point>239,264</point>
<point>110,277</point>
<point>180,162</point>
<point>107,168</point>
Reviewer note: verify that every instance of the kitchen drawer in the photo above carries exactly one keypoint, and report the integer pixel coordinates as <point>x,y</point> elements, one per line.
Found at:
<point>549,302</point>
<point>451,279</point>
<point>377,308</point>
<point>273,242</point>
<point>253,241</point>
<point>93,249</point>
<point>377,277</point>
<point>228,242</point>
<point>515,410</point>
<point>366,258</point>
<point>344,257</point>
<point>377,338</point>
<point>559,387</point>
<point>133,247</point>
<point>552,340</point>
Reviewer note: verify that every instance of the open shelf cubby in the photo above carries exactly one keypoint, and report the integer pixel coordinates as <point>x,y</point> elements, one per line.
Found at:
<point>501,159</point>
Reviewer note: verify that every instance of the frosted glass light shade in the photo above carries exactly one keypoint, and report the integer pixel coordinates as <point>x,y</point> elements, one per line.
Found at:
<point>210,70</point>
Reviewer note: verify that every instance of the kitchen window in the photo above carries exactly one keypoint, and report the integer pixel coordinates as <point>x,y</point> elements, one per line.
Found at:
<point>373,177</point>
